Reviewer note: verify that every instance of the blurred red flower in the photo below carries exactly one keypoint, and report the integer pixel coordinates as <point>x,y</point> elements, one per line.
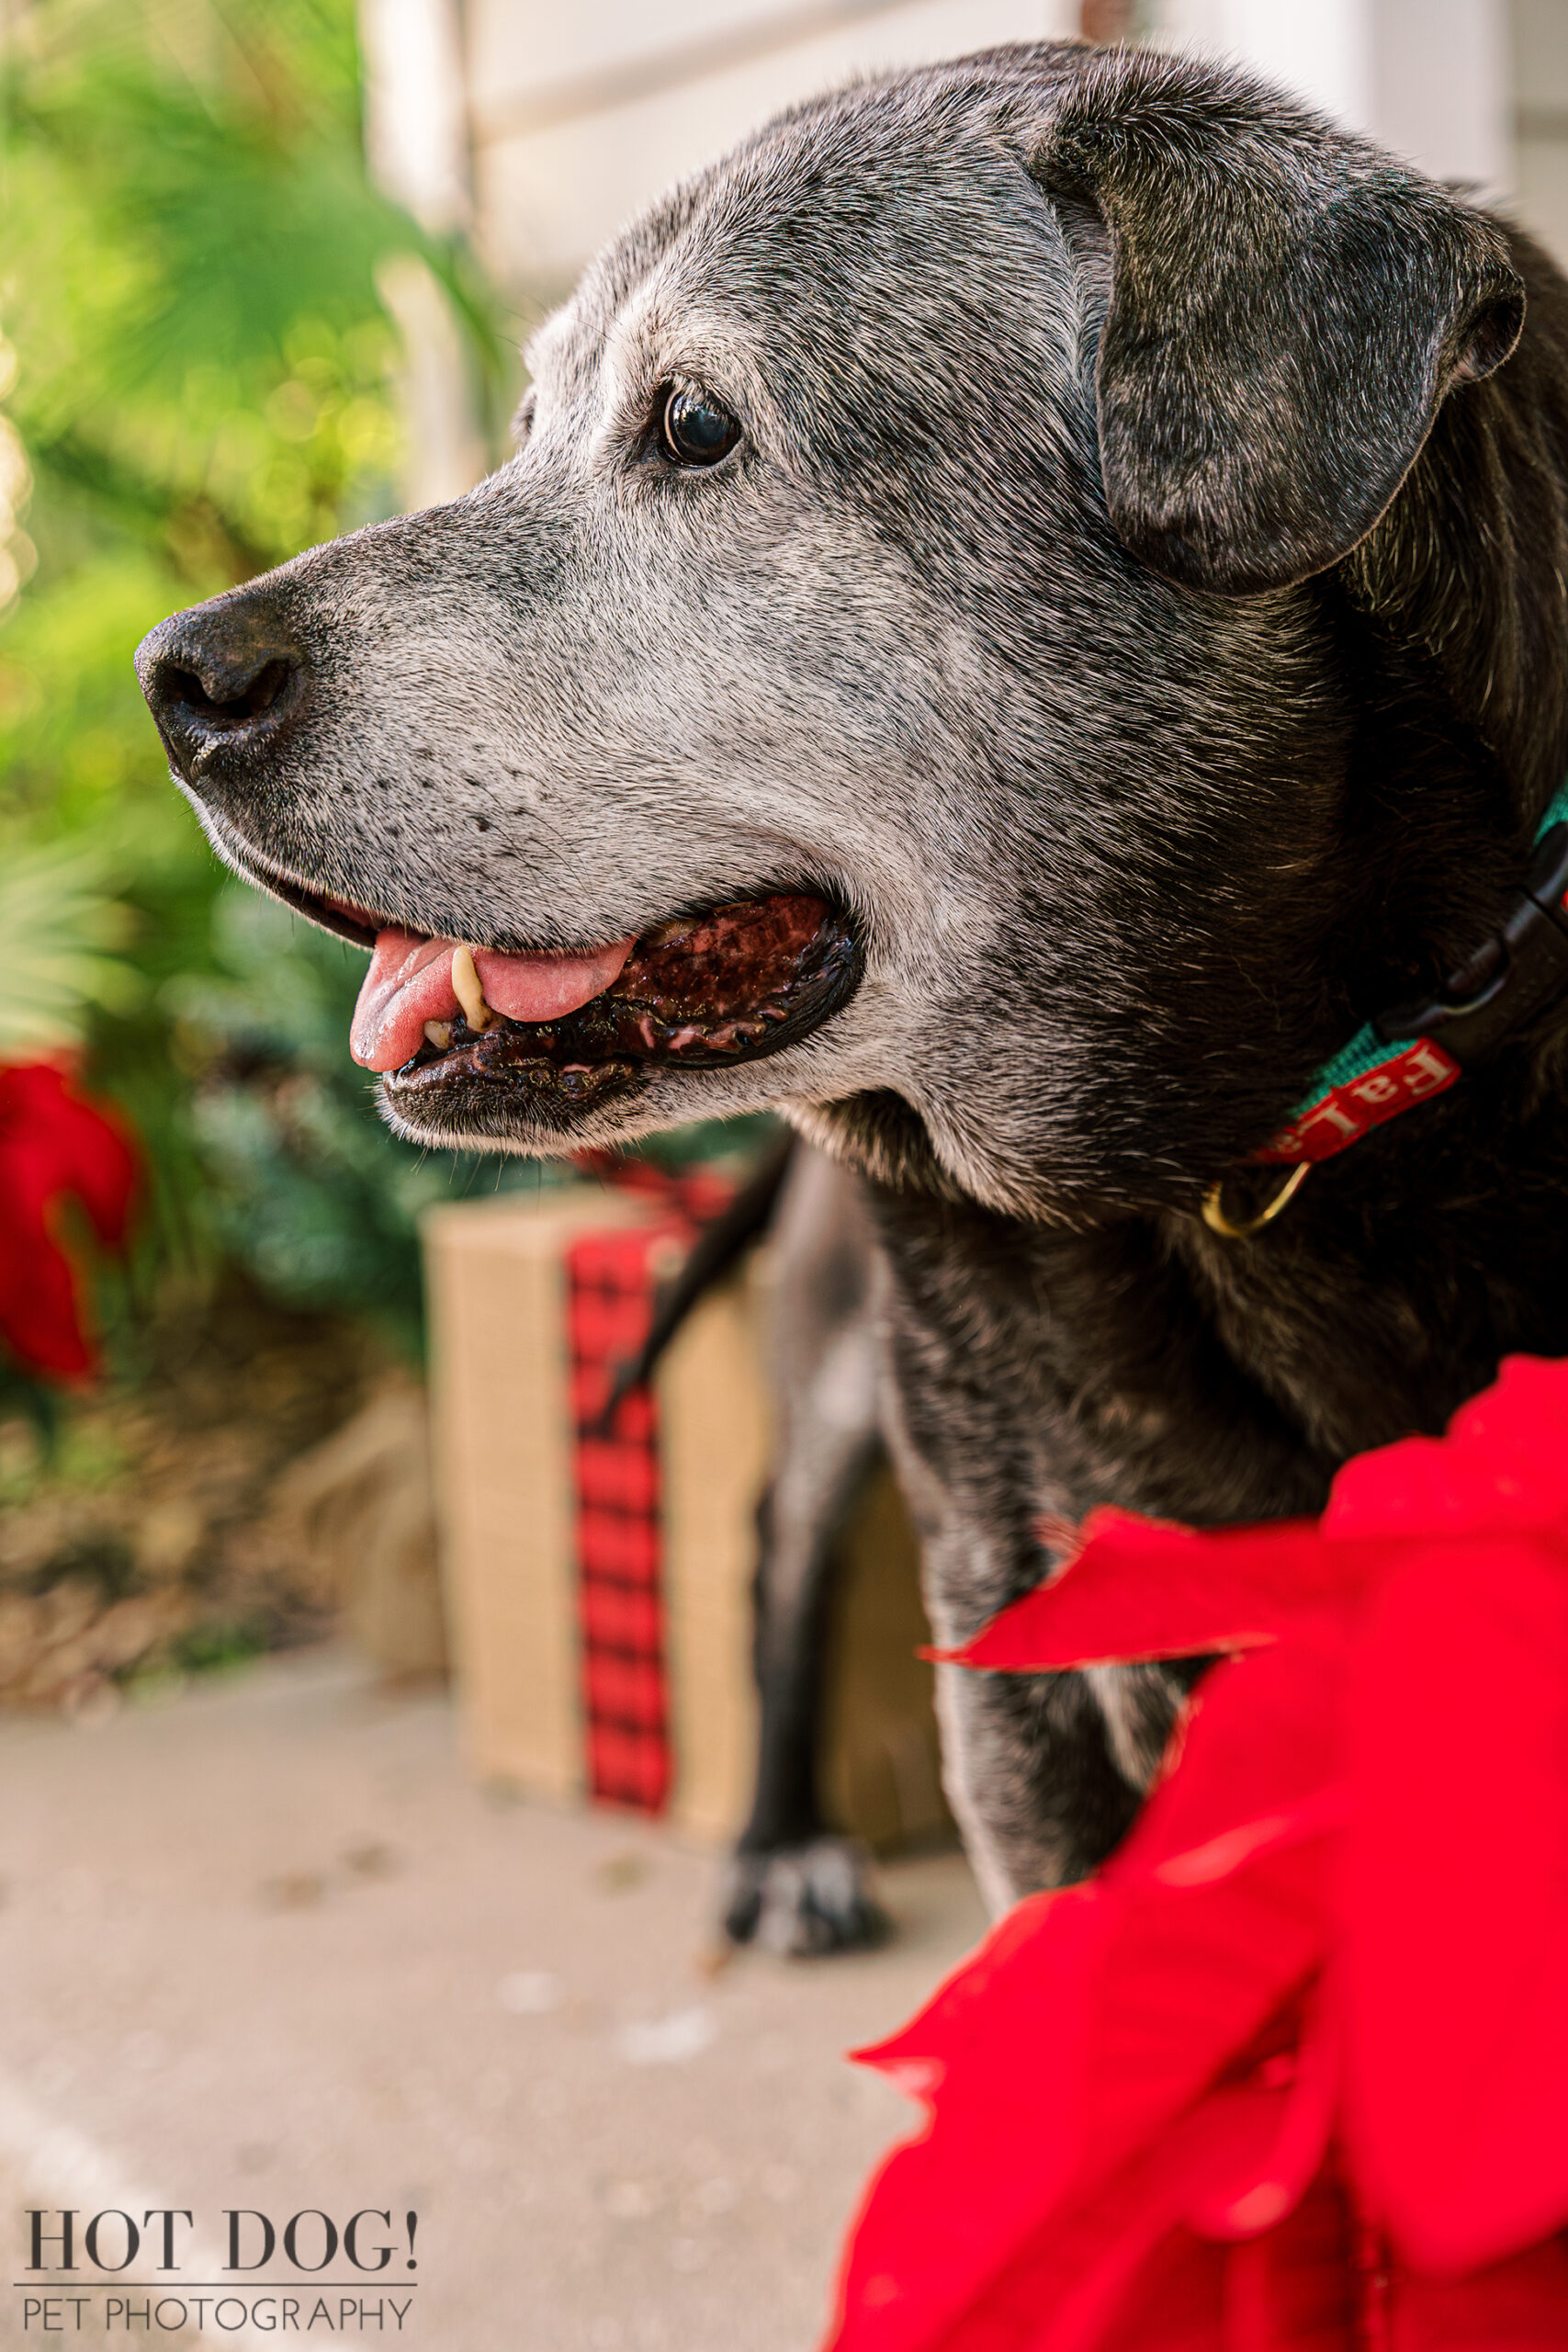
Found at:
<point>53,1143</point>
<point>1292,2071</point>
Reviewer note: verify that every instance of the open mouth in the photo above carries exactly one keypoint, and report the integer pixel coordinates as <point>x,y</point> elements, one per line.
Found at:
<point>439,1019</point>
<point>702,992</point>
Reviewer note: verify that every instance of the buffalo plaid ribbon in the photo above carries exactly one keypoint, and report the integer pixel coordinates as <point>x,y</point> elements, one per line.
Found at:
<point>611,1277</point>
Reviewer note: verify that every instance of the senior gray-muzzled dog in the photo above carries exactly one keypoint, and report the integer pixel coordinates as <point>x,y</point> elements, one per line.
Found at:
<point>1030,608</point>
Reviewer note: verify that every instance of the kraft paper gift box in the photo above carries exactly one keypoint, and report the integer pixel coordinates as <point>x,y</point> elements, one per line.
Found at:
<point>598,1583</point>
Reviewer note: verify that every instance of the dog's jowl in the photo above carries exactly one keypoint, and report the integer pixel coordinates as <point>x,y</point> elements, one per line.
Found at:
<point>1029,608</point>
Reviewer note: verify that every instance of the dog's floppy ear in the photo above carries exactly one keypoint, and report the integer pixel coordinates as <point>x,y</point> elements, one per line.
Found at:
<point>1287,309</point>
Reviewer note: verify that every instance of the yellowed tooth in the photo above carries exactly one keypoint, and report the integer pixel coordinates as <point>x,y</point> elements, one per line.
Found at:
<point>470,996</point>
<point>438,1034</point>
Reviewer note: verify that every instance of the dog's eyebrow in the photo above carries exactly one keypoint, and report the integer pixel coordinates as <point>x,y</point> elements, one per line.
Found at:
<point>660,325</point>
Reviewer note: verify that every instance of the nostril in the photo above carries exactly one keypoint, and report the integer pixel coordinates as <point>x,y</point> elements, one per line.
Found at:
<point>243,700</point>
<point>225,681</point>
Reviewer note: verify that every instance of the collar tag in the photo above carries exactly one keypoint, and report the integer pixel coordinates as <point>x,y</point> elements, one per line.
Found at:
<point>1386,1080</point>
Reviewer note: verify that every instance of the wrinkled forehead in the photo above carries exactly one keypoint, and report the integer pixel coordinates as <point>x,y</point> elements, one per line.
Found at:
<point>834,230</point>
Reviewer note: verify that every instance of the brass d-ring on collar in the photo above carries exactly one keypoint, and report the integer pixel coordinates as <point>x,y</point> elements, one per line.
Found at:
<point>1216,1220</point>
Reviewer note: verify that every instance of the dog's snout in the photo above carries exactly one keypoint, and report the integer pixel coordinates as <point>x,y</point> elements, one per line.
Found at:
<point>227,674</point>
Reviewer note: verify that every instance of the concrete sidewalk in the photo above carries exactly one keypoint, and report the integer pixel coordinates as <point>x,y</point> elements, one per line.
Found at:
<point>265,1947</point>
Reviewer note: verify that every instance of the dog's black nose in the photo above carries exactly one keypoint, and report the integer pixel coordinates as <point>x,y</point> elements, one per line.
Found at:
<point>229,674</point>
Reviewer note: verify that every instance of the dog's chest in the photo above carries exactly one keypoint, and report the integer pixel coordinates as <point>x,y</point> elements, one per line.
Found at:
<point>1038,1374</point>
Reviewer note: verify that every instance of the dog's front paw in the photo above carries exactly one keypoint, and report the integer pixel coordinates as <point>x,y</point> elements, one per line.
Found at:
<point>803,1901</point>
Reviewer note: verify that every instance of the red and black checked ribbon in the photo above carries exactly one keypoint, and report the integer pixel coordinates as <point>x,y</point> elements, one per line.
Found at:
<point>609,1287</point>
<point>611,1277</point>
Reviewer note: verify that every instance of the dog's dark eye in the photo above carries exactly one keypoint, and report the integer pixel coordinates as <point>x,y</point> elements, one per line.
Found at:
<point>697,429</point>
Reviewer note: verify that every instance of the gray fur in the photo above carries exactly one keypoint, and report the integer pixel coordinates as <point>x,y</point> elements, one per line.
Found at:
<point>1128,602</point>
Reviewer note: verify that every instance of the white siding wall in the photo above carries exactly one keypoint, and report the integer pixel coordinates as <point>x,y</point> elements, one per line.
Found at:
<point>1323,49</point>
<point>549,195</point>
<point>566,144</point>
<point>1428,77</point>
<point>1472,90</point>
<point>1540,29</point>
<point>1440,87</point>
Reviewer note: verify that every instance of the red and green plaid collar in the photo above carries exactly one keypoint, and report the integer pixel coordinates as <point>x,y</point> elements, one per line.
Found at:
<point>1403,1057</point>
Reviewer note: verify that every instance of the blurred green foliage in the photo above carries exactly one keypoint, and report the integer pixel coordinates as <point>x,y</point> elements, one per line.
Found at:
<point>196,374</point>
<point>59,930</point>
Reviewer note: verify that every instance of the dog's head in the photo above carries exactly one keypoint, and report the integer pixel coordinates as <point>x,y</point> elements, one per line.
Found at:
<point>880,685</point>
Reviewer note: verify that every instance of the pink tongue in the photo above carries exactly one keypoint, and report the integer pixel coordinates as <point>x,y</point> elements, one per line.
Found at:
<point>410,982</point>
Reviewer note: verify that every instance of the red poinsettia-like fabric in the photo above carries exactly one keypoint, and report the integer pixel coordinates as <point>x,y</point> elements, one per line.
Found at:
<point>1290,2075</point>
<point>51,1144</point>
